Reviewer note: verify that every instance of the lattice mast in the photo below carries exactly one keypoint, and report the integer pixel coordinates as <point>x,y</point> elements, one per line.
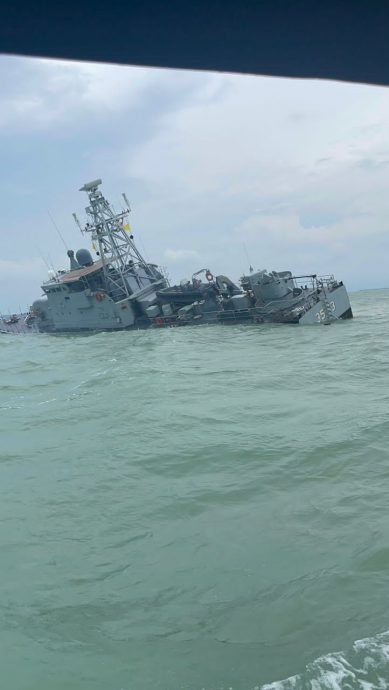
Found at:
<point>111,236</point>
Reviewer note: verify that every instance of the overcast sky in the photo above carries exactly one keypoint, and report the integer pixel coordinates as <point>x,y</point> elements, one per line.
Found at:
<point>293,172</point>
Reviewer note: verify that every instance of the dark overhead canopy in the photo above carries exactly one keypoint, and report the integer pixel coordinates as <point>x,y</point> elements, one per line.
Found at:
<point>293,38</point>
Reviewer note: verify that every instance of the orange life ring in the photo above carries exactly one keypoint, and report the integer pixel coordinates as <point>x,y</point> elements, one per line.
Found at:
<point>99,296</point>
<point>209,276</point>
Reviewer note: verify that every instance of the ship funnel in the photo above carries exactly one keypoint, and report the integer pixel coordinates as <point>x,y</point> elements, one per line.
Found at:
<point>90,185</point>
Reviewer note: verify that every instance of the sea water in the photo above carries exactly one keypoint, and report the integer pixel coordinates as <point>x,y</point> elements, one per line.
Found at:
<point>197,508</point>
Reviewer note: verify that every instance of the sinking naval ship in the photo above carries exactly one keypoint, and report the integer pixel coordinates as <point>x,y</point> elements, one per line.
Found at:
<point>116,291</point>
<point>120,290</point>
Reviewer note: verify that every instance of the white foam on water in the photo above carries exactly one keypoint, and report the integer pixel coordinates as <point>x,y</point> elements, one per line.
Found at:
<point>364,667</point>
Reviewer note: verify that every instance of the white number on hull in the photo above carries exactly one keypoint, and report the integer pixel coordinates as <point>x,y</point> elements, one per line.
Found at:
<point>321,315</point>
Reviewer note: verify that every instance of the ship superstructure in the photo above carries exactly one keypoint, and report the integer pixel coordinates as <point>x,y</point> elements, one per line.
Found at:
<point>114,291</point>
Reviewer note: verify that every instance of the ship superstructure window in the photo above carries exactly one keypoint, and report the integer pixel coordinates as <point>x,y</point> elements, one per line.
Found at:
<point>77,286</point>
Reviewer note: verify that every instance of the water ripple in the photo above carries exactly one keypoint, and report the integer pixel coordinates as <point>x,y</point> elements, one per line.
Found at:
<point>186,509</point>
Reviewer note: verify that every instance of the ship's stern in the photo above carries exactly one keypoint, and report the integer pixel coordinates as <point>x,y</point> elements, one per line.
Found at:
<point>331,305</point>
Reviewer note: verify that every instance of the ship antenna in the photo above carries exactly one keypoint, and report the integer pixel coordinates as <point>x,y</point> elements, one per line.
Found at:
<point>247,257</point>
<point>57,229</point>
<point>77,222</point>
<point>51,263</point>
<point>42,257</point>
<point>126,200</point>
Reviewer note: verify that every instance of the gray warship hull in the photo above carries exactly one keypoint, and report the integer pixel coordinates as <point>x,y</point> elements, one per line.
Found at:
<point>262,298</point>
<point>18,324</point>
<point>314,308</point>
<point>119,290</point>
<point>64,310</point>
<point>97,311</point>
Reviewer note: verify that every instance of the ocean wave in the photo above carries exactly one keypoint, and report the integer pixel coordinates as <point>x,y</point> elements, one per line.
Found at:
<point>364,667</point>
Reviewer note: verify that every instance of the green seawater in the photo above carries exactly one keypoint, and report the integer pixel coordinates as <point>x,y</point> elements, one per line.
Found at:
<point>192,509</point>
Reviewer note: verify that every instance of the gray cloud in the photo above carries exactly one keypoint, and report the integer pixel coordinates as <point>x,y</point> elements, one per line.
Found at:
<point>211,163</point>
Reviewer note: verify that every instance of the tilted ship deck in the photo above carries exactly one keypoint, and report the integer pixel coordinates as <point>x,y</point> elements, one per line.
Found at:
<point>120,290</point>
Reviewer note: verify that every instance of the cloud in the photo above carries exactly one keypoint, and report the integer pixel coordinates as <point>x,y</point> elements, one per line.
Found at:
<point>294,170</point>
<point>249,134</point>
<point>243,168</point>
<point>54,92</point>
<point>179,255</point>
<point>373,164</point>
<point>20,283</point>
<point>26,268</point>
